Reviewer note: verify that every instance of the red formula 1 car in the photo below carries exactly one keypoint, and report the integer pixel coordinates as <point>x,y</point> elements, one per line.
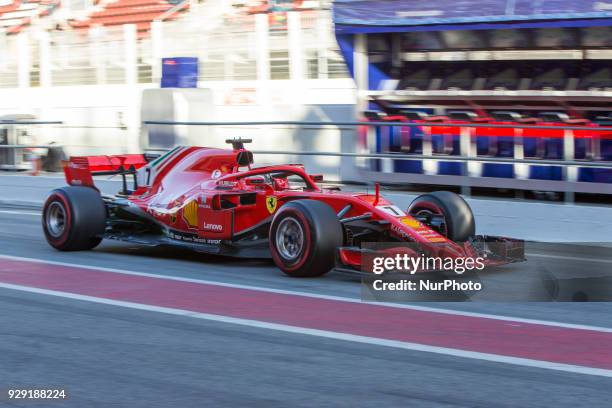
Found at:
<point>214,201</point>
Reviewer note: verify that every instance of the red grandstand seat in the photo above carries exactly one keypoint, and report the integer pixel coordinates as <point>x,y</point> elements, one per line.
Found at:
<point>11,7</point>
<point>134,3</point>
<point>117,11</point>
<point>139,12</point>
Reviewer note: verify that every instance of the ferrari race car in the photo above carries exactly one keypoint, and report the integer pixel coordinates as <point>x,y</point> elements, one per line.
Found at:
<point>215,201</point>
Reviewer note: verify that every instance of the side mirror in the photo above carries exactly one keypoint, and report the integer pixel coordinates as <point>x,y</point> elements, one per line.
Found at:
<point>317,178</point>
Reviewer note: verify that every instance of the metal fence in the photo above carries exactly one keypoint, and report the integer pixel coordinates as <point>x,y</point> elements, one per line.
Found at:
<point>363,156</point>
<point>229,48</point>
<point>373,161</point>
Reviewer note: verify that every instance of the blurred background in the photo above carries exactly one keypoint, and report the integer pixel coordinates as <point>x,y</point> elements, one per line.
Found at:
<point>500,95</point>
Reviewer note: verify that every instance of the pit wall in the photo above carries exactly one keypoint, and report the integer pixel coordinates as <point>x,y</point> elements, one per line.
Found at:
<point>106,119</point>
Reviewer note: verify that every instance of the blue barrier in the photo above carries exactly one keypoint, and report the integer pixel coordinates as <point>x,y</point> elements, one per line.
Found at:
<point>409,140</point>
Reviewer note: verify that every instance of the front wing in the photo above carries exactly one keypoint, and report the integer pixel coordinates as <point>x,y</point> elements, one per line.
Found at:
<point>494,250</point>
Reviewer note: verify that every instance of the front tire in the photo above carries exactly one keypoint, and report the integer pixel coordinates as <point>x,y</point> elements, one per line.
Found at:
<point>304,236</point>
<point>74,218</point>
<point>458,220</point>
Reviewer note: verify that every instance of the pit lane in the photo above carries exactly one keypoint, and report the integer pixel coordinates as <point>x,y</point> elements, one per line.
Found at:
<point>108,354</point>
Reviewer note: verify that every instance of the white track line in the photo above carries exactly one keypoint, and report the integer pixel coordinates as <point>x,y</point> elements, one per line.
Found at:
<point>15,212</point>
<point>328,334</point>
<point>320,296</point>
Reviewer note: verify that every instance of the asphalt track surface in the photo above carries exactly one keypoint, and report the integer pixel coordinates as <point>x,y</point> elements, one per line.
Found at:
<point>114,354</point>
<point>106,355</point>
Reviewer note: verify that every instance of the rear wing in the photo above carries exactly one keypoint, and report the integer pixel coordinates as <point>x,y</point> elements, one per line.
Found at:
<point>79,170</point>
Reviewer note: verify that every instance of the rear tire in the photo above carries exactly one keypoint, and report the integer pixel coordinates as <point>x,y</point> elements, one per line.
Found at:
<point>304,236</point>
<point>74,218</point>
<point>458,217</point>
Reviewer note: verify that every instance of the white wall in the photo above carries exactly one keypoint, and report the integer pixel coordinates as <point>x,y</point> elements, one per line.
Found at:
<point>105,119</point>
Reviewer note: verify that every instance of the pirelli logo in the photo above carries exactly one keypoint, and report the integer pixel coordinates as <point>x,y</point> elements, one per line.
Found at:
<point>190,213</point>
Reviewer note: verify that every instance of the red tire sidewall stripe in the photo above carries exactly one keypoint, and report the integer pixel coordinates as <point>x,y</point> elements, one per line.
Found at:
<point>430,206</point>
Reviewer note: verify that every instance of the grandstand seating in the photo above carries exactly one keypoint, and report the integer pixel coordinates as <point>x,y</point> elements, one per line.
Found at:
<point>15,15</point>
<point>276,10</point>
<point>551,77</point>
<point>418,78</point>
<point>503,78</point>
<point>508,75</point>
<point>461,78</point>
<point>18,14</point>
<point>139,12</point>
<point>595,76</point>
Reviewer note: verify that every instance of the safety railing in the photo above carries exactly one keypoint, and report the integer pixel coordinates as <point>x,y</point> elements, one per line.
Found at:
<point>375,160</point>
<point>392,124</point>
<point>230,47</point>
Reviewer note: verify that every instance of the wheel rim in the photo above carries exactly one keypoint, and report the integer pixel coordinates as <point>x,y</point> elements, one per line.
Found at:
<point>289,239</point>
<point>56,219</point>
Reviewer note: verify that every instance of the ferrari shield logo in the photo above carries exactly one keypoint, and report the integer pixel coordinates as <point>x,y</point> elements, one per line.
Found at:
<point>271,204</point>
